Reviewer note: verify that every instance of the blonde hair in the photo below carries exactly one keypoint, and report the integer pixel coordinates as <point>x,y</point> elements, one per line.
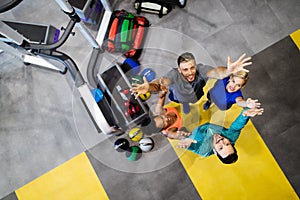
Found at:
<point>241,74</point>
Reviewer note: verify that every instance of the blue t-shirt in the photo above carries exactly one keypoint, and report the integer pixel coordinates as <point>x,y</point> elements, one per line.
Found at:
<point>219,95</point>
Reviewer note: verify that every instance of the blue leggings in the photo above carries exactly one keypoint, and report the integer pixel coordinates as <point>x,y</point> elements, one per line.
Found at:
<point>171,96</point>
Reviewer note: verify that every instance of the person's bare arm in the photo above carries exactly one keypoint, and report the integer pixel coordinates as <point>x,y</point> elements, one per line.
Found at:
<point>186,143</point>
<point>159,108</point>
<point>232,67</point>
<point>173,133</point>
<point>249,103</point>
<point>154,86</point>
<point>219,72</point>
<point>253,112</point>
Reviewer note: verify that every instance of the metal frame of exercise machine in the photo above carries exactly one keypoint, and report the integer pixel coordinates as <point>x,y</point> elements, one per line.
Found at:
<point>39,54</point>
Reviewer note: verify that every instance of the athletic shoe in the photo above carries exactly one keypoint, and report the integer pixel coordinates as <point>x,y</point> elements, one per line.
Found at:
<point>186,108</point>
<point>206,105</point>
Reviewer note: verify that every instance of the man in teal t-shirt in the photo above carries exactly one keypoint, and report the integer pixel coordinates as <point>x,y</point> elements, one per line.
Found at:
<point>209,139</point>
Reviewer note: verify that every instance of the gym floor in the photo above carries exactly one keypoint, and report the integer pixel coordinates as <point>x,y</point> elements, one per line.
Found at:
<point>50,149</point>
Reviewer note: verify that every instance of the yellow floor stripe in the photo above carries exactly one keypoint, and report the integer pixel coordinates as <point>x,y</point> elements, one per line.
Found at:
<point>75,179</point>
<point>255,175</point>
<point>296,38</point>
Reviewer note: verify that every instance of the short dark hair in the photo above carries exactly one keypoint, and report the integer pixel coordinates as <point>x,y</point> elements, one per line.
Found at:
<point>185,57</point>
<point>231,158</point>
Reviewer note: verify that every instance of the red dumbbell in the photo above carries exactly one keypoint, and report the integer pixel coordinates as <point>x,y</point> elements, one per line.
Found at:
<point>126,91</point>
<point>127,103</point>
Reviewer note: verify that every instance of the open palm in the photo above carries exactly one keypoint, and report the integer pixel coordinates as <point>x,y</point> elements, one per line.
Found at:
<point>238,65</point>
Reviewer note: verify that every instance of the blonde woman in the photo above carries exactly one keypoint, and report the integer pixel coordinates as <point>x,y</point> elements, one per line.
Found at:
<point>227,91</point>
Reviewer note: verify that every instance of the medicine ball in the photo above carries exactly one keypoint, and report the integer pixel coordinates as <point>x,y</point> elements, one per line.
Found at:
<point>133,153</point>
<point>133,64</point>
<point>145,97</point>
<point>136,134</point>
<point>149,74</point>
<point>137,79</point>
<point>121,145</point>
<point>146,144</point>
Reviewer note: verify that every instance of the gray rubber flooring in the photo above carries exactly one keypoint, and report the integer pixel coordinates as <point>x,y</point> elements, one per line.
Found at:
<point>43,123</point>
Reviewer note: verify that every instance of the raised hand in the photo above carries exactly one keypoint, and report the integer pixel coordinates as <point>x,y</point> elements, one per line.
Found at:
<point>164,84</point>
<point>253,112</point>
<point>182,133</point>
<point>139,89</point>
<point>238,65</point>
<point>252,103</point>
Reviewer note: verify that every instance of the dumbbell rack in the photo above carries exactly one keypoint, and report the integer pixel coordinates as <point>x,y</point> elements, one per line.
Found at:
<point>113,82</point>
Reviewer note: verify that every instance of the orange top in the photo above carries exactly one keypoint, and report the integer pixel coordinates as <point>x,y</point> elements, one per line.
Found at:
<point>177,124</point>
